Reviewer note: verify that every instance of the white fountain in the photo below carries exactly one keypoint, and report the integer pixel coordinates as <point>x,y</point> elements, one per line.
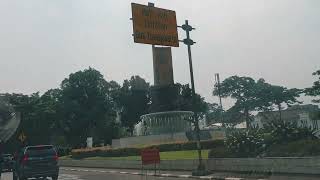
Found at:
<point>167,122</point>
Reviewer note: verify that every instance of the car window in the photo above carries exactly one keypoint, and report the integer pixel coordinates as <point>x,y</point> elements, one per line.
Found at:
<point>40,151</point>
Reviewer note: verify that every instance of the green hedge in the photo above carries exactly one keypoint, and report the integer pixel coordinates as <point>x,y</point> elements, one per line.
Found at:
<point>301,148</point>
<point>123,152</point>
<point>220,152</point>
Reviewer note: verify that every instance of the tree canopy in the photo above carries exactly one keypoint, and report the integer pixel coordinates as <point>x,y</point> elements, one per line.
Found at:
<point>185,101</point>
<point>133,101</point>
<point>86,102</point>
<point>315,89</point>
<point>243,90</point>
<point>251,95</point>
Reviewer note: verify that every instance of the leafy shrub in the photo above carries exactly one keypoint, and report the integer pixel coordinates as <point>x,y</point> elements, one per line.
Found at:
<point>281,131</point>
<point>106,153</point>
<point>299,148</point>
<point>248,143</point>
<point>63,151</point>
<point>204,135</point>
<point>278,138</point>
<point>220,152</point>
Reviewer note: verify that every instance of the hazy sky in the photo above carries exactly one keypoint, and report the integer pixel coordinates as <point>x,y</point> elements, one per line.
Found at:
<point>43,41</point>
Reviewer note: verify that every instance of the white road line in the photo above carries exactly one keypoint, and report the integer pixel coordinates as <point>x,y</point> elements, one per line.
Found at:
<point>69,177</point>
<point>184,176</point>
<point>166,175</point>
<point>205,177</point>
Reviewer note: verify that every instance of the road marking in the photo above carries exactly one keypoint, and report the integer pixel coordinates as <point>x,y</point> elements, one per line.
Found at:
<point>205,177</point>
<point>185,176</point>
<point>69,177</point>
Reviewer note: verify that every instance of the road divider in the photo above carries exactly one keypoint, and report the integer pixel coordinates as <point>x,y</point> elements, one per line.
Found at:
<point>305,165</point>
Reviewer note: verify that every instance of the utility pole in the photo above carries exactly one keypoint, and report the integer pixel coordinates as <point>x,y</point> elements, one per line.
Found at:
<point>189,42</point>
<point>217,79</point>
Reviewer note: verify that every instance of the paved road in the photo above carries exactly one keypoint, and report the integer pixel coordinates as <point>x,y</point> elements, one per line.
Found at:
<point>72,175</point>
<point>105,174</point>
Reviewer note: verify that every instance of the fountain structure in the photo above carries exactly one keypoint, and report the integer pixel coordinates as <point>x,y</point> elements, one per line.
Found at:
<point>166,122</point>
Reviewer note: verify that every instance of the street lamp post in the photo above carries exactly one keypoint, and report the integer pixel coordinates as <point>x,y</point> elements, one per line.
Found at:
<point>189,42</point>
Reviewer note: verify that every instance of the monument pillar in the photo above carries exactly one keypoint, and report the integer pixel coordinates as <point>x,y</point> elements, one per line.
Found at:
<point>164,93</point>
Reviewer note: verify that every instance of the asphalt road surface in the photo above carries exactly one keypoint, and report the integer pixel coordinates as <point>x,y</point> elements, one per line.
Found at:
<point>72,175</point>
<point>105,174</point>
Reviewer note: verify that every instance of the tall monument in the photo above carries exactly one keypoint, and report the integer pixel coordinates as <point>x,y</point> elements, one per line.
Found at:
<point>164,93</point>
<point>157,26</point>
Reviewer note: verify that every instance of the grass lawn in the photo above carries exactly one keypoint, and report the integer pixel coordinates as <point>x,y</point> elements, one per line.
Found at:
<point>171,155</point>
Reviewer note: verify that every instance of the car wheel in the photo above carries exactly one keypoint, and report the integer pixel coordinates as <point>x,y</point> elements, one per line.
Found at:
<point>55,177</point>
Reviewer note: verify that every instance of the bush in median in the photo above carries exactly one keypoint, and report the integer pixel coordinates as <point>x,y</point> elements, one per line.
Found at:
<point>301,148</point>
<point>123,152</point>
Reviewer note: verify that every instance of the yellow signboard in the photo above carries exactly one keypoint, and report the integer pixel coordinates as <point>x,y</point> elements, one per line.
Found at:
<point>22,137</point>
<point>154,26</point>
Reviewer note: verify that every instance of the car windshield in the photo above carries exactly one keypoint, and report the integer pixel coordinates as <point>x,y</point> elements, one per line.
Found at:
<point>160,89</point>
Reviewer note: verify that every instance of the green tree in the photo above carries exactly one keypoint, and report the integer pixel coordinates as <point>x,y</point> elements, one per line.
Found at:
<point>214,113</point>
<point>270,97</point>
<point>185,101</point>
<point>37,116</point>
<point>243,90</point>
<point>87,106</point>
<point>315,89</point>
<point>133,101</point>
<point>280,95</point>
<point>251,95</point>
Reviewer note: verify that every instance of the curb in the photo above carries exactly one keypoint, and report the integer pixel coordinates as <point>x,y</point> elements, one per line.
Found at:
<point>156,175</point>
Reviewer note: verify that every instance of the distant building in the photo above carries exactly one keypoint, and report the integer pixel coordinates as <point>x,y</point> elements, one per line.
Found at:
<point>299,114</point>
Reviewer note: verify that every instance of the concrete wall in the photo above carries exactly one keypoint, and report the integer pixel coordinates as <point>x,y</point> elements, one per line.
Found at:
<point>150,139</point>
<point>275,165</point>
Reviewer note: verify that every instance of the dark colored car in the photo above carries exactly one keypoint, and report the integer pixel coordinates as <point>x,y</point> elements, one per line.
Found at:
<point>8,162</point>
<point>36,162</point>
